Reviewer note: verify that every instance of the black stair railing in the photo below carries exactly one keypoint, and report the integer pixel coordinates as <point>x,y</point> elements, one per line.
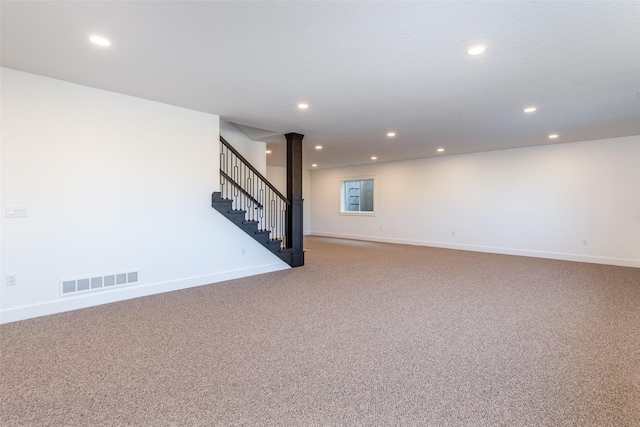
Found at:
<point>251,192</point>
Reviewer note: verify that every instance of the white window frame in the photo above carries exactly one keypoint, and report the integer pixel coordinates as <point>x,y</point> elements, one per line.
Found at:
<point>342,195</point>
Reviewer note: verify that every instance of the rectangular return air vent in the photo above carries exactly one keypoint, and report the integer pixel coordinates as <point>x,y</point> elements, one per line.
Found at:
<point>97,283</point>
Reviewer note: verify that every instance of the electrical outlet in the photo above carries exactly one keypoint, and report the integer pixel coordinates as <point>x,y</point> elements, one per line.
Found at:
<point>453,234</point>
<point>243,251</point>
<point>584,242</point>
<point>12,279</point>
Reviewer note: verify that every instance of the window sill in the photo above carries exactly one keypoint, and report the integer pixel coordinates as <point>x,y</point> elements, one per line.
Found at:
<point>356,213</point>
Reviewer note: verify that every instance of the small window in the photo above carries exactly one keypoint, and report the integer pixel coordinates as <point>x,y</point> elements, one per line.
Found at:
<point>357,195</point>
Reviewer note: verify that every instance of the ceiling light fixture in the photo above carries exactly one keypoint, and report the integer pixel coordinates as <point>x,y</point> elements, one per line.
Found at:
<point>553,136</point>
<point>530,109</point>
<point>314,165</point>
<point>374,158</point>
<point>100,41</point>
<point>476,50</point>
<point>391,134</point>
<point>303,106</point>
<point>268,151</point>
<point>318,147</point>
<point>440,150</point>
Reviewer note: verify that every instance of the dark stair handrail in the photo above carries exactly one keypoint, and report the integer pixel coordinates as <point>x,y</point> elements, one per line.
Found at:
<point>250,166</point>
<point>239,187</point>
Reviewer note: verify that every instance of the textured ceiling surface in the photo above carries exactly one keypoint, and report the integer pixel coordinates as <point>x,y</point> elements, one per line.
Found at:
<point>364,68</point>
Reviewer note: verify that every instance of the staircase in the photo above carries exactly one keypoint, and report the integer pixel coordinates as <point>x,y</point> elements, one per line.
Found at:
<point>248,200</point>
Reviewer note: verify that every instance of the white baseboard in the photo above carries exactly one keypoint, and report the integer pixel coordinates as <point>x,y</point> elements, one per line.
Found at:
<point>68,303</point>
<point>489,249</point>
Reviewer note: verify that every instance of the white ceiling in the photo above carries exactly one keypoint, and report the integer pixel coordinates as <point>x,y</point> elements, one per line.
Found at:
<point>365,68</point>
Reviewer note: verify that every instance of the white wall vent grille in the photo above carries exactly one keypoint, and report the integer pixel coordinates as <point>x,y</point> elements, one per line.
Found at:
<point>97,283</point>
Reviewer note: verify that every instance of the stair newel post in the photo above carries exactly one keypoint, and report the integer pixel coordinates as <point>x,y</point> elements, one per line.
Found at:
<point>294,194</point>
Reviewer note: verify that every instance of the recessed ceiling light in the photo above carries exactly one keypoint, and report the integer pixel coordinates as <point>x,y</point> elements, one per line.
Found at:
<point>318,147</point>
<point>476,50</point>
<point>100,41</point>
<point>553,136</point>
<point>374,158</point>
<point>303,106</point>
<point>530,109</point>
<point>268,151</point>
<point>390,134</point>
<point>440,150</point>
<point>314,165</point>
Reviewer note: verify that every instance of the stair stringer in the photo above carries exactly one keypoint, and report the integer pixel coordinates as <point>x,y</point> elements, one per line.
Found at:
<point>224,206</point>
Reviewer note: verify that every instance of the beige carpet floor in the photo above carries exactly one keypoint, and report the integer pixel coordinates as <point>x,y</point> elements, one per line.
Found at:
<point>366,334</point>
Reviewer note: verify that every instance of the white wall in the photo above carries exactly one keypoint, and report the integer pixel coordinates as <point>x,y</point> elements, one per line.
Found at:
<point>112,183</point>
<point>278,177</point>
<point>540,201</point>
